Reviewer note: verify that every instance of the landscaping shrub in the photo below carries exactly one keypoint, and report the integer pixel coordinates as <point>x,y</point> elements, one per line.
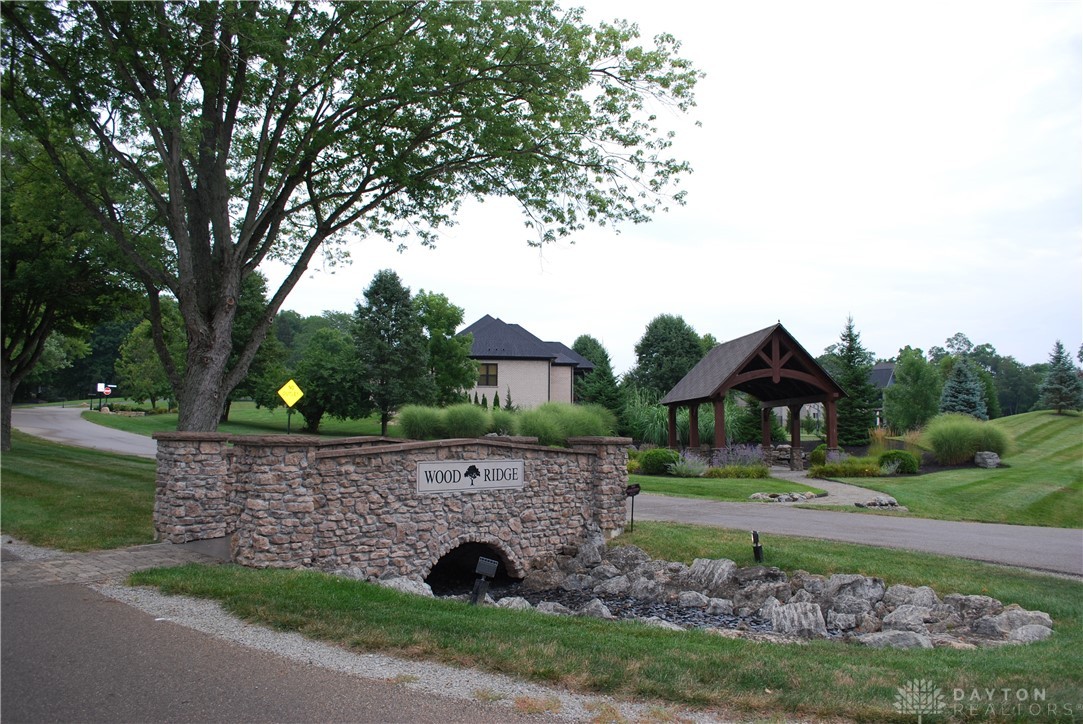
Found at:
<point>688,465</point>
<point>955,437</point>
<point>742,455</point>
<point>421,423</point>
<point>466,420</point>
<point>738,471</point>
<point>848,468</point>
<point>905,463</point>
<point>542,425</point>
<point>503,422</point>
<point>633,466</point>
<point>819,455</point>
<point>656,461</point>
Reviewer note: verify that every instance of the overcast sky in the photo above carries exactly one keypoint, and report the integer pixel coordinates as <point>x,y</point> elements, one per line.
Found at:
<point>916,165</point>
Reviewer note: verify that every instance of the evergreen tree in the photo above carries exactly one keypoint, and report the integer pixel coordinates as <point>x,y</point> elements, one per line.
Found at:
<point>599,385</point>
<point>851,366</point>
<point>963,392</point>
<point>1061,389</point>
<point>391,347</point>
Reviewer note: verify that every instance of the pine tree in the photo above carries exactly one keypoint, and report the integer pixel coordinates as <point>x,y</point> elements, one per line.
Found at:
<point>1061,389</point>
<point>851,365</point>
<point>963,392</point>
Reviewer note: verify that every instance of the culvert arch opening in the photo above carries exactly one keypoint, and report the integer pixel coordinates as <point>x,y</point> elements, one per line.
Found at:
<point>455,573</point>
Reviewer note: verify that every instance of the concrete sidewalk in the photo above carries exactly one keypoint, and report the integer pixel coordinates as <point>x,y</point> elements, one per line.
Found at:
<point>51,568</point>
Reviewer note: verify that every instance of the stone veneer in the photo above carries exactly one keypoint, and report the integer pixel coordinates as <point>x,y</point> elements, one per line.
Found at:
<point>297,501</point>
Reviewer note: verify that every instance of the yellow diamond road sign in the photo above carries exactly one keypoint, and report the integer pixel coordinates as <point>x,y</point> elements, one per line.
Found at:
<point>290,393</point>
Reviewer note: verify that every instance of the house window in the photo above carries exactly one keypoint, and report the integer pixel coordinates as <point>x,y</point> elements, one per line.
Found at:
<point>487,375</point>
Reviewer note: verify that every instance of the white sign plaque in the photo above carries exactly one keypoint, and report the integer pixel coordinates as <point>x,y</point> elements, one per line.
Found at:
<point>465,475</point>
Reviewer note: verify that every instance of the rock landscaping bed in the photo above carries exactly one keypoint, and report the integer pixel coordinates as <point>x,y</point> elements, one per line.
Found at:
<point>764,603</point>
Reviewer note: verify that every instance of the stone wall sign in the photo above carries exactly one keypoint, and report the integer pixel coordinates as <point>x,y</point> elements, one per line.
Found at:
<point>465,475</point>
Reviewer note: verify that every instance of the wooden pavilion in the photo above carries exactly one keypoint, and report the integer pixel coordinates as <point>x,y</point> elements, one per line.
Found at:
<point>771,366</point>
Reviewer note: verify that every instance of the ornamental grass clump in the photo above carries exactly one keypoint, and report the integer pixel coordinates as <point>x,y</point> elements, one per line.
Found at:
<point>688,465</point>
<point>421,423</point>
<point>738,461</point>
<point>466,420</point>
<point>844,466</point>
<point>955,438</point>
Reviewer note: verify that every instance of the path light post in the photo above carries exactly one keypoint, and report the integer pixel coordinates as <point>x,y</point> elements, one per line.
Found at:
<point>632,491</point>
<point>757,549</point>
<point>486,569</point>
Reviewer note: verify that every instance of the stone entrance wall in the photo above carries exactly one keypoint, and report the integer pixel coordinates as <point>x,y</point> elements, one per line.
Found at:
<point>295,501</point>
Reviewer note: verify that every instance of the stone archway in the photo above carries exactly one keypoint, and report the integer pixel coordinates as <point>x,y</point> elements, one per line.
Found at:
<point>771,366</point>
<point>510,561</point>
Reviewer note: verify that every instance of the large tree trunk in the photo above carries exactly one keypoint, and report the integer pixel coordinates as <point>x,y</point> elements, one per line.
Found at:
<point>7,394</point>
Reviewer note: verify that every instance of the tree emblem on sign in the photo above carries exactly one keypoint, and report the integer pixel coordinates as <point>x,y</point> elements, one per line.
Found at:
<point>472,472</point>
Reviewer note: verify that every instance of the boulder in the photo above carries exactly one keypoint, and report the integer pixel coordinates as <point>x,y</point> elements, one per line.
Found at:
<point>551,607</point>
<point>720,607</point>
<point>841,621</point>
<point>852,584</point>
<point>515,603</point>
<point>604,572</point>
<point>899,595</point>
<point>1030,633</point>
<point>767,608</point>
<point>709,574</point>
<point>618,586</point>
<point>986,459</point>
<point>591,550</point>
<point>754,595</point>
<point>692,599</point>
<point>896,640</point>
<point>850,604</point>
<point>594,609</point>
<point>626,558</point>
<point>799,619</point>
<point>908,618</point>
<point>971,608</point>
<point>1011,618</point>
<point>407,585</point>
<point>661,623</point>
<point>578,582</point>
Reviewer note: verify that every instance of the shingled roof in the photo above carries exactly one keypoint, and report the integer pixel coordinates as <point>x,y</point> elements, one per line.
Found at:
<point>496,339</point>
<point>769,364</point>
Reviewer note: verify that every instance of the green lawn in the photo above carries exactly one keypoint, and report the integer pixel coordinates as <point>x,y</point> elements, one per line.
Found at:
<point>821,680</point>
<point>734,490</point>
<point>245,419</point>
<point>75,499</point>
<point>1041,483</point>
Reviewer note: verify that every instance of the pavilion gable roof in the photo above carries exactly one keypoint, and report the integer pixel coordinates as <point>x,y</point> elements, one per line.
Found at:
<point>768,364</point>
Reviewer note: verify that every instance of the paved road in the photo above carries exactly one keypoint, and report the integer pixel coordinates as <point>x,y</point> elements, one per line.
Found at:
<point>66,425</point>
<point>70,654</point>
<point>1059,550</point>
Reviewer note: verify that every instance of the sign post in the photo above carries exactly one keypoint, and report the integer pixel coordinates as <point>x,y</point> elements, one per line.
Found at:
<point>290,394</point>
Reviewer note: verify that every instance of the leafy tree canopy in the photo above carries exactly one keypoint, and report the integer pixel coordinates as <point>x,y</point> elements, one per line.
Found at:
<point>914,399</point>
<point>668,349</point>
<point>207,137</point>
<point>450,366</point>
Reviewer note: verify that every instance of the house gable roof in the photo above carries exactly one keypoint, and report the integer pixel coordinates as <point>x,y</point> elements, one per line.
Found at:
<point>882,375</point>
<point>769,364</point>
<point>496,339</point>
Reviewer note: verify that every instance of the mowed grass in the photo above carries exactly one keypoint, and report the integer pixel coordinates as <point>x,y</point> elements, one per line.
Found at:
<point>723,489</point>
<point>1041,483</point>
<point>74,499</point>
<point>245,419</point>
<point>819,680</point>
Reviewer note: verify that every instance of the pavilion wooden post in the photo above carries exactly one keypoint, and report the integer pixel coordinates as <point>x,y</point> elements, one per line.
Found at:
<point>832,420</point>
<point>673,426</point>
<point>693,426</point>
<point>765,427</point>
<point>720,422</point>
<point>795,438</point>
